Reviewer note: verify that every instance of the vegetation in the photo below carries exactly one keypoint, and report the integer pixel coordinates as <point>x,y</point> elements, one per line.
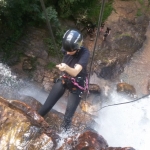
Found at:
<point>51,65</point>
<point>16,15</point>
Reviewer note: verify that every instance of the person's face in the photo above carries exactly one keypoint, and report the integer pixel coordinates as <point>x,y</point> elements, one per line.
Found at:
<point>71,53</point>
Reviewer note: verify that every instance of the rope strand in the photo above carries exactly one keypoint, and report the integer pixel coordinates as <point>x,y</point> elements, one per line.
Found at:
<point>97,35</point>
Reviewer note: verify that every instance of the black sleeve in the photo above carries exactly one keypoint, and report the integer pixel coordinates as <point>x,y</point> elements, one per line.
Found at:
<point>83,61</point>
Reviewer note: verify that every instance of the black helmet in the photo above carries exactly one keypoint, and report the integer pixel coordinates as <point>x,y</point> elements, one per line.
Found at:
<point>72,40</point>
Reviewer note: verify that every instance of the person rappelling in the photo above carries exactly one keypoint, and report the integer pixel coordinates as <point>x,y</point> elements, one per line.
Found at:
<point>73,78</point>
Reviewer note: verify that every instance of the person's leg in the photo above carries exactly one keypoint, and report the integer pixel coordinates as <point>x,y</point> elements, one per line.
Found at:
<point>56,92</point>
<point>73,102</point>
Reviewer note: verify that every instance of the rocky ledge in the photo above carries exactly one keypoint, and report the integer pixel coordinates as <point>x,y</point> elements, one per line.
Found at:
<point>22,128</point>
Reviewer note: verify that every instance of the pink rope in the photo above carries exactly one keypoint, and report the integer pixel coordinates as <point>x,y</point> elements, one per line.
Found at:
<point>80,87</point>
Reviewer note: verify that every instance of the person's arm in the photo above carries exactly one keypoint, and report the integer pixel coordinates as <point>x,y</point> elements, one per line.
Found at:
<point>71,71</point>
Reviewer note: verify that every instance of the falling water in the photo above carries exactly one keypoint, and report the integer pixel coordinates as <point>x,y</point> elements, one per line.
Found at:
<point>126,125</point>
<point>6,77</point>
<point>9,83</point>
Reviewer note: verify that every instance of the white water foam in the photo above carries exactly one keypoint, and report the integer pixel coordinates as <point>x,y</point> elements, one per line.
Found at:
<point>126,125</point>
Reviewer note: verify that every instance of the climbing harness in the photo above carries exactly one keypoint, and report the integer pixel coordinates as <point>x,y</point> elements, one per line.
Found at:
<point>80,87</point>
<point>75,81</point>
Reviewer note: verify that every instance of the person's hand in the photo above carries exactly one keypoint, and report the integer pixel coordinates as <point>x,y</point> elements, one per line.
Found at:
<point>62,66</point>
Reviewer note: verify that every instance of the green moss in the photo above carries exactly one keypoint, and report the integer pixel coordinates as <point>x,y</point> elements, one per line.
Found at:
<point>121,35</point>
<point>141,2</point>
<point>139,12</point>
<point>51,65</point>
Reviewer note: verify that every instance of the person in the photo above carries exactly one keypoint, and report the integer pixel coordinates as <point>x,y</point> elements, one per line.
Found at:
<point>107,32</point>
<point>91,29</point>
<point>73,70</point>
<point>102,27</point>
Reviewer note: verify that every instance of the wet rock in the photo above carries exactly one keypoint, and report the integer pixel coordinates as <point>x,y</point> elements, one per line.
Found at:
<point>82,121</point>
<point>34,43</point>
<point>13,60</point>
<point>41,62</point>
<point>54,119</point>
<point>27,64</point>
<point>22,128</point>
<point>89,108</point>
<point>91,139</point>
<point>128,44</point>
<point>111,71</point>
<point>33,103</point>
<point>126,89</point>
<point>39,74</point>
<point>46,77</point>
<point>94,88</point>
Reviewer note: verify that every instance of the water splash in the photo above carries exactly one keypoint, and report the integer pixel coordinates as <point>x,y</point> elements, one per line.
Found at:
<point>9,83</point>
<point>126,125</point>
<point>71,134</point>
<point>6,76</point>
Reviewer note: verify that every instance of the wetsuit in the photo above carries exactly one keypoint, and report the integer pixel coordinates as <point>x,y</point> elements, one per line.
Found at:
<point>81,57</point>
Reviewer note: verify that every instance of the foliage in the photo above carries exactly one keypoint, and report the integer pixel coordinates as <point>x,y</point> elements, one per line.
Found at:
<point>90,10</point>
<point>71,7</point>
<point>55,51</point>
<point>91,13</point>
<point>14,16</point>
<point>51,65</point>
<point>124,35</point>
<point>16,13</point>
<point>139,12</point>
<point>141,2</point>
<point>52,16</point>
<point>107,10</point>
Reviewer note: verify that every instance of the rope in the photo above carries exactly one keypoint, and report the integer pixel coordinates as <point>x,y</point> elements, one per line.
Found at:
<point>50,28</point>
<point>123,103</point>
<point>97,35</point>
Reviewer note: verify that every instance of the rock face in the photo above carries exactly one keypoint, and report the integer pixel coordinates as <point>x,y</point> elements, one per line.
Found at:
<point>94,88</point>
<point>21,128</point>
<point>126,89</point>
<point>127,36</point>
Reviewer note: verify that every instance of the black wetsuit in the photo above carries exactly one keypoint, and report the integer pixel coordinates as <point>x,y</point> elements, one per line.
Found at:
<point>59,88</point>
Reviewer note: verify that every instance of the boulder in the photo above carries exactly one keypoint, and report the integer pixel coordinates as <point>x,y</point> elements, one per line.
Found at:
<point>126,88</point>
<point>22,128</point>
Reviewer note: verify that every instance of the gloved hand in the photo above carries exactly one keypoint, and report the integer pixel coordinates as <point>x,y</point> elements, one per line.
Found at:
<point>62,67</point>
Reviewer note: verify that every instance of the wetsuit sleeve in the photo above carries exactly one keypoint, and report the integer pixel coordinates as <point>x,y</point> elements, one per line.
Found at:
<point>83,61</point>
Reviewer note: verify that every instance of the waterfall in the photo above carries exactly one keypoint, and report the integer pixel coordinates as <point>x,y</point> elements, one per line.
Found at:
<point>126,125</point>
